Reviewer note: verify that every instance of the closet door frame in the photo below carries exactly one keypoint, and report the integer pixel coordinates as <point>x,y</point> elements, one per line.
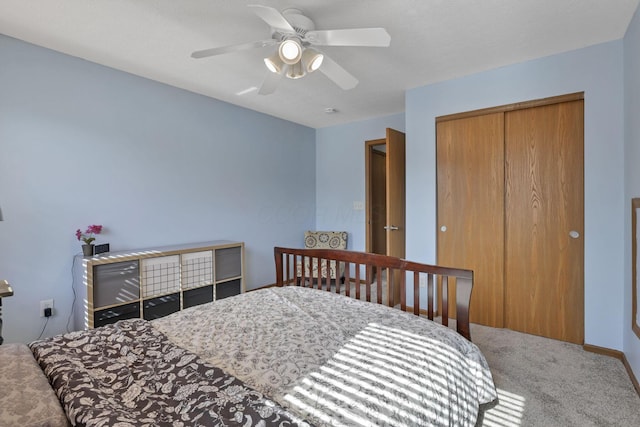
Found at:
<point>512,107</point>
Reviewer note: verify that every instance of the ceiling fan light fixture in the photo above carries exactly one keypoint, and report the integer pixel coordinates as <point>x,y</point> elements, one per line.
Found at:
<point>274,63</point>
<point>311,59</point>
<point>295,38</point>
<point>295,71</point>
<point>290,50</point>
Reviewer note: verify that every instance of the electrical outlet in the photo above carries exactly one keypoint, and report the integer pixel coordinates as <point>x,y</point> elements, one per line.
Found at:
<point>47,303</point>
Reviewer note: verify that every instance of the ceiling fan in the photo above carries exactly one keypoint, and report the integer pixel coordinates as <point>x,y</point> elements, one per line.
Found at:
<point>296,37</point>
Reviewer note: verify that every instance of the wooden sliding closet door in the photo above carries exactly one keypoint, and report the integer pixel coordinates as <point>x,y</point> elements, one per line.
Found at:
<point>544,221</point>
<point>510,184</point>
<point>470,185</point>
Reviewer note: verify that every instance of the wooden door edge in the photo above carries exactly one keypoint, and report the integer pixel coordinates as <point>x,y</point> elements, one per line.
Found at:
<point>513,107</point>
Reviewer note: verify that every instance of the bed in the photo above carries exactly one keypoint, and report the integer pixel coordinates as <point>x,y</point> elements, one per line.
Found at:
<point>298,353</point>
<point>384,280</point>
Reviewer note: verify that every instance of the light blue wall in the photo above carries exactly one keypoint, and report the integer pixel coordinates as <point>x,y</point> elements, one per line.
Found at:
<point>83,144</point>
<point>340,174</point>
<point>595,70</point>
<point>632,173</point>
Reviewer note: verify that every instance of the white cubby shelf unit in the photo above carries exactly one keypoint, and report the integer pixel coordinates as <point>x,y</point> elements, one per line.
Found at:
<point>154,282</point>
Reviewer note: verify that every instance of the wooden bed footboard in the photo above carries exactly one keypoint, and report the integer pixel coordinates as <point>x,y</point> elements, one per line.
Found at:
<point>399,278</point>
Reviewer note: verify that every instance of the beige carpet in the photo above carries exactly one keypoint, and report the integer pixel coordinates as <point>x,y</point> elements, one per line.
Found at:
<point>544,382</point>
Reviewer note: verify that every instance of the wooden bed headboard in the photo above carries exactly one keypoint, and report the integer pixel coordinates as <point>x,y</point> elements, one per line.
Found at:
<point>421,278</point>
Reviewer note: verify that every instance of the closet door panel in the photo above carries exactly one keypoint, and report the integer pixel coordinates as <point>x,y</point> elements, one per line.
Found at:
<point>544,221</point>
<point>470,185</point>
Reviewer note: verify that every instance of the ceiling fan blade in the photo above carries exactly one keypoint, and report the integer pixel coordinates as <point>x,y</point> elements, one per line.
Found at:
<point>272,17</point>
<point>337,74</point>
<point>232,48</point>
<point>270,83</point>
<point>374,37</point>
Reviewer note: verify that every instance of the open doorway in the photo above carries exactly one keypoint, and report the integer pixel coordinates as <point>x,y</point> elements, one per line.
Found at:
<point>385,197</point>
<point>377,197</point>
<point>385,194</point>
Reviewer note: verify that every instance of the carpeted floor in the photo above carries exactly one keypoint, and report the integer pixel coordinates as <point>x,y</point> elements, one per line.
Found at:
<point>544,382</point>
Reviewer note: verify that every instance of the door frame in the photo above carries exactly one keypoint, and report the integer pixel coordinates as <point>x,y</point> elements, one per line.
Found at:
<point>368,167</point>
<point>394,142</point>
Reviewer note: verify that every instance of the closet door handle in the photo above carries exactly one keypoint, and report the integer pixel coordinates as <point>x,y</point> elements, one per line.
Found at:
<point>574,234</point>
<point>391,227</point>
<point>443,228</point>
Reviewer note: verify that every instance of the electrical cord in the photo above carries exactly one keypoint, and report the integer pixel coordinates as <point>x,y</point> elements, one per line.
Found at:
<point>73,303</point>
<point>44,327</point>
<point>73,289</point>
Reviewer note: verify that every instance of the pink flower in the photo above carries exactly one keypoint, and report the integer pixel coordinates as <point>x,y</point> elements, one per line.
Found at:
<point>94,229</point>
<point>88,236</point>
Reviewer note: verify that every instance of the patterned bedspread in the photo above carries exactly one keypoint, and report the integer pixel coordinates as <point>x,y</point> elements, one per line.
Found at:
<point>338,361</point>
<point>130,374</point>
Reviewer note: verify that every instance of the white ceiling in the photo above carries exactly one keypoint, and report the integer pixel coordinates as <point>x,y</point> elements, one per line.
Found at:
<point>431,41</point>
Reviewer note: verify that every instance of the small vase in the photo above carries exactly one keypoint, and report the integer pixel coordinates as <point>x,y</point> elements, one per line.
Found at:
<point>87,250</point>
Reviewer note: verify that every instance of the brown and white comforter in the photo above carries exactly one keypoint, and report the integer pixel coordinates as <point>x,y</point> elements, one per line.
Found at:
<point>338,361</point>
<point>130,374</point>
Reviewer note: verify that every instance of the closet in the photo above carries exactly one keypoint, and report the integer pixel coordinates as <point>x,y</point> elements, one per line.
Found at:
<point>510,195</point>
